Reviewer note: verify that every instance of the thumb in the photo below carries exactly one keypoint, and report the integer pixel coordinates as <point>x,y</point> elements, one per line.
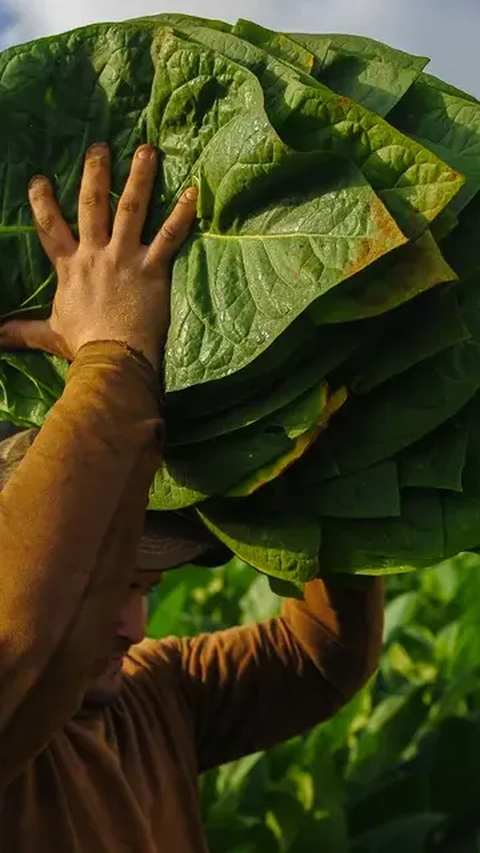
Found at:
<point>29,334</point>
<point>175,229</point>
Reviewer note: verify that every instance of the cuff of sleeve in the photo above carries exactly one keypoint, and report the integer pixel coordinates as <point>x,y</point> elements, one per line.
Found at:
<point>119,353</point>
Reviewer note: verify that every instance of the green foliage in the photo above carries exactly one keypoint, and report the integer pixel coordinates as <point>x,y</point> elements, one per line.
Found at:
<point>323,363</point>
<point>397,769</point>
<point>372,74</point>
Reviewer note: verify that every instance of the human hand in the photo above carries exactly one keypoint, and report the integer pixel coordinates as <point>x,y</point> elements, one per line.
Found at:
<point>110,285</point>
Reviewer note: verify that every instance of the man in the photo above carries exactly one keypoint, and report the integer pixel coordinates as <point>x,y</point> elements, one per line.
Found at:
<point>102,734</point>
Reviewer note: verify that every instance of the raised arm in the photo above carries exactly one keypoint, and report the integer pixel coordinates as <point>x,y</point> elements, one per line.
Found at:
<point>72,513</point>
<point>246,689</point>
<point>70,520</point>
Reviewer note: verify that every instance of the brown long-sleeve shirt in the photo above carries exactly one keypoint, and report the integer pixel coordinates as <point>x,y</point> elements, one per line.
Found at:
<point>70,520</point>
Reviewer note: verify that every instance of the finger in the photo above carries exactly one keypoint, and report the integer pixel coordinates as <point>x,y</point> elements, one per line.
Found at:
<point>133,205</point>
<point>94,199</point>
<point>175,229</point>
<point>55,235</point>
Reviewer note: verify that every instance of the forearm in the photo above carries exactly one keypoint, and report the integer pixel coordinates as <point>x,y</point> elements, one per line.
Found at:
<point>339,629</point>
<point>70,519</point>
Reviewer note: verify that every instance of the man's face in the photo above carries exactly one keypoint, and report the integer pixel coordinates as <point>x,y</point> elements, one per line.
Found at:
<point>132,627</point>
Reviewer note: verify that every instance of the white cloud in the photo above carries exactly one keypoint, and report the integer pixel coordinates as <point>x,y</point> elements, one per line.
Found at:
<point>444,30</point>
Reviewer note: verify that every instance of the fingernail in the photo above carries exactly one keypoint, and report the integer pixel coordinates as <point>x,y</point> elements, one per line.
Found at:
<point>191,194</point>
<point>146,152</point>
<point>37,179</point>
<point>98,149</point>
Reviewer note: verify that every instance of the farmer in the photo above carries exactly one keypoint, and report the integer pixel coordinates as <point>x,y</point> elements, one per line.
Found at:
<point>103,733</point>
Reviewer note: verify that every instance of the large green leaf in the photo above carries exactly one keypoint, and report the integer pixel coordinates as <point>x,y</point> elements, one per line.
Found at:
<point>373,74</point>
<point>199,402</point>
<point>119,74</point>
<point>413,333</point>
<point>195,471</point>
<point>433,526</point>
<point>188,22</point>
<point>373,493</point>
<point>449,125</point>
<point>191,473</point>
<point>394,415</point>
<point>29,386</point>
<point>303,429</point>
<point>461,246</point>
<point>413,183</point>
<point>172,489</point>
<point>438,460</point>
<point>381,546</point>
<point>323,354</point>
<point>448,88</point>
<point>278,44</point>
<point>393,280</point>
<point>316,218</point>
<point>461,522</point>
<point>278,542</point>
<point>471,474</point>
<point>266,223</point>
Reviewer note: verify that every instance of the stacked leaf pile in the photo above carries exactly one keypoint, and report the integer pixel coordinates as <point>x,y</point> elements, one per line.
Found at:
<point>323,363</point>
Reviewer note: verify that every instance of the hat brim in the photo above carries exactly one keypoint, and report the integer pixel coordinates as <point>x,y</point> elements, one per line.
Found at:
<point>171,540</point>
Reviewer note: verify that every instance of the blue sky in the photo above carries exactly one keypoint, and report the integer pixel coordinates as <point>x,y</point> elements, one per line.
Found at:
<point>448,31</point>
<point>6,17</point>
